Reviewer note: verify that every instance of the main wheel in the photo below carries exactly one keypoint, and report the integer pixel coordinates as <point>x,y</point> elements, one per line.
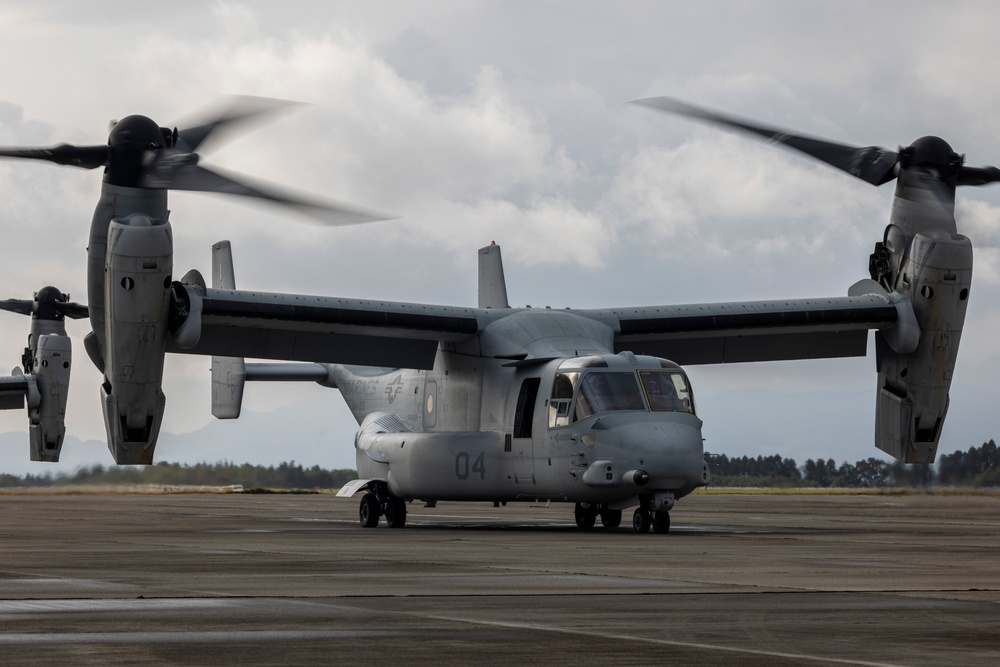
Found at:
<point>369,512</point>
<point>585,517</point>
<point>611,518</point>
<point>661,522</point>
<point>395,512</point>
<point>640,520</point>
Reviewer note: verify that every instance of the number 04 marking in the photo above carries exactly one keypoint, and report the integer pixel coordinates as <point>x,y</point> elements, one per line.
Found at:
<point>462,469</point>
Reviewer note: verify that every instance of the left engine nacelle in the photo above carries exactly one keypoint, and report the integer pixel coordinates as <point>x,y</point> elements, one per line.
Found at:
<point>137,298</point>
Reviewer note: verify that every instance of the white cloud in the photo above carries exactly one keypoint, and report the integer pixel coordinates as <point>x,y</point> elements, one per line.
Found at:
<point>511,125</point>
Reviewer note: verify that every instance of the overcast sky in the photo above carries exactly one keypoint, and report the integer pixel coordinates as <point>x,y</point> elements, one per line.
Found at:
<point>508,122</point>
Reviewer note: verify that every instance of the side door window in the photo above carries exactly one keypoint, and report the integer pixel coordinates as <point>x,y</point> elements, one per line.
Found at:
<point>524,413</point>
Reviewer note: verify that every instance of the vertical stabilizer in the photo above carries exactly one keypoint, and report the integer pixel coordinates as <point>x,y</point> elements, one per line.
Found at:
<point>492,287</point>
<point>223,275</point>
<point>228,373</point>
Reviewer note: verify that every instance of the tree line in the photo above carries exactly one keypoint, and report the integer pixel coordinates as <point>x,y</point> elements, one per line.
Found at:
<point>979,467</point>
<point>284,476</point>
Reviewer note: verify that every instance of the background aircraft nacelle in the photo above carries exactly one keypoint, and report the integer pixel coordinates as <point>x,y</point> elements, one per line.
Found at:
<point>47,411</point>
<point>935,268</point>
<point>137,299</point>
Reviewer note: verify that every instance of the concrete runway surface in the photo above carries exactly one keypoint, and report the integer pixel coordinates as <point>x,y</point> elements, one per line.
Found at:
<point>292,579</point>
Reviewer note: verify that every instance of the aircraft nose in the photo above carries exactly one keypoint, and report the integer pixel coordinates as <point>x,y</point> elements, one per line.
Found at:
<point>671,454</point>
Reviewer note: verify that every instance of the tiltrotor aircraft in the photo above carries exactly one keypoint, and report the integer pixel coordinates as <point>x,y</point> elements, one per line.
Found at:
<point>503,404</point>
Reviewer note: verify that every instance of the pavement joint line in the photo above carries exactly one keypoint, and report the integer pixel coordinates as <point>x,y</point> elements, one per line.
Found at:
<point>661,642</point>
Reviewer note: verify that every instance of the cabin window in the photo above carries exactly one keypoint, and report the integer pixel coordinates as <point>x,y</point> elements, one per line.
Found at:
<point>607,391</point>
<point>666,391</point>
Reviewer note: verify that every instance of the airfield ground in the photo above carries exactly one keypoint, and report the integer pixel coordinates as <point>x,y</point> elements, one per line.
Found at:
<point>292,579</point>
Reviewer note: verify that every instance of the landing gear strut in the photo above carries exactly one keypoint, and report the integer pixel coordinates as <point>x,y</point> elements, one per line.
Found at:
<point>376,502</point>
<point>610,518</point>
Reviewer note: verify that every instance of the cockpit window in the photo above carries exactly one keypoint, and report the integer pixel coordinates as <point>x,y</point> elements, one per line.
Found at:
<point>606,391</point>
<point>562,397</point>
<point>666,391</point>
<point>589,361</point>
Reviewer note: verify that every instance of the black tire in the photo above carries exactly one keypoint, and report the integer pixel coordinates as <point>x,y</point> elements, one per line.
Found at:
<point>611,518</point>
<point>585,517</point>
<point>395,512</point>
<point>369,512</point>
<point>641,521</point>
<point>661,522</point>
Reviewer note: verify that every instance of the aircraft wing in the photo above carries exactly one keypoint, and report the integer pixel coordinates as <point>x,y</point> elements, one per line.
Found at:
<point>292,327</point>
<point>755,330</point>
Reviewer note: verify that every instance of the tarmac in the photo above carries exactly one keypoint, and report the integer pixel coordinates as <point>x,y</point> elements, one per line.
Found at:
<point>246,579</point>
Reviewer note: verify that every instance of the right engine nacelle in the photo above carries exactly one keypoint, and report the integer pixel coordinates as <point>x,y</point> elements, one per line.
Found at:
<point>137,298</point>
<point>912,402</point>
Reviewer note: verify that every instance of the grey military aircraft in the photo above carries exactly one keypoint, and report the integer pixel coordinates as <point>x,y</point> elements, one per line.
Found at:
<point>494,403</point>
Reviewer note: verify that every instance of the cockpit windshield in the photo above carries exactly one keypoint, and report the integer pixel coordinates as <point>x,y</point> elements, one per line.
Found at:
<point>604,391</point>
<point>578,394</point>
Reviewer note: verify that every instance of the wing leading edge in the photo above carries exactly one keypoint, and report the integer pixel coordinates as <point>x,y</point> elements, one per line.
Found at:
<point>755,330</point>
<point>295,327</point>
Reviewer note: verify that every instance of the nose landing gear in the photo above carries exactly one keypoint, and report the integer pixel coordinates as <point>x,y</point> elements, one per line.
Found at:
<point>643,520</point>
<point>653,512</point>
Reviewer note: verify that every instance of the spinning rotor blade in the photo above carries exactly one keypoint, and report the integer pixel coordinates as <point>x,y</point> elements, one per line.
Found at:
<point>240,108</point>
<point>195,178</point>
<point>872,164</point>
<point>86,157</point>
<point>141,154</point>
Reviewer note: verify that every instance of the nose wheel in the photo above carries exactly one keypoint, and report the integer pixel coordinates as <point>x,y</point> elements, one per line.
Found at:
<point>643,520</point>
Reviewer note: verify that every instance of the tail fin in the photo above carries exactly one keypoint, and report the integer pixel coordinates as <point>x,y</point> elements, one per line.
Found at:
<point>229,374</point>
<point>492,286</point>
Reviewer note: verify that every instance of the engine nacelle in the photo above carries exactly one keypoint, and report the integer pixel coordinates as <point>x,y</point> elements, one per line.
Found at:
<point>137,301</point>
<point>47,414</point>
<point>912,402</point>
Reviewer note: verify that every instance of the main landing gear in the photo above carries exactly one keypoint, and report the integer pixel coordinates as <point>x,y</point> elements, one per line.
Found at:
<point>377,502</point>
<point>586,516</point>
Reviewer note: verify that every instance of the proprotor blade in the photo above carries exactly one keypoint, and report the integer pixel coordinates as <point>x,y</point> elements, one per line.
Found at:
<point>978,175</point>
<point>85,157</point>
<point>73,311</point>
<point>20,306</point>
<point>49,303</point>
<point>871,164</point>
<point>195,178</point>
<point>238,108</point>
